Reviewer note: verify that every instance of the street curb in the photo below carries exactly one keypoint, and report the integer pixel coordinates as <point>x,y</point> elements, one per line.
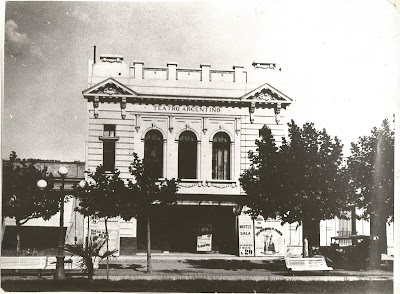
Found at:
<point>250,278</point>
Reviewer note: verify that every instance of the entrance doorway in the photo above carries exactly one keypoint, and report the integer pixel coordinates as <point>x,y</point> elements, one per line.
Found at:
<point>175,228</point>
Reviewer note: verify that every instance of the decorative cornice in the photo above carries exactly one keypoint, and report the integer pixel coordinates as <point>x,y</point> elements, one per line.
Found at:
<point>264,96</point>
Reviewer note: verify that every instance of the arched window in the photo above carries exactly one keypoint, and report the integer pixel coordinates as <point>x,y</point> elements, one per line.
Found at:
<point>153,152</point>
<point>221,155</point>
<point>187,155</point>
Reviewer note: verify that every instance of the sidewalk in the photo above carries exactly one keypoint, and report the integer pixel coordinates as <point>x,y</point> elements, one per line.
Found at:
<point>186,266</point>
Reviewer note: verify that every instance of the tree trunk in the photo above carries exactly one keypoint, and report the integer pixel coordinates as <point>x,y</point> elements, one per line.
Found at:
<point>105,224</point>
<point>90,269</point>
<point>353,220</point>
<point>378,228</point>
<point>311,232</point>
<point>3,229</point>
<point>149,267</point>
<point>18,232</point>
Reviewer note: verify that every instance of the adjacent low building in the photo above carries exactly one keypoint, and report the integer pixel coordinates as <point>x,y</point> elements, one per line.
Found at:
<point>40,237</point>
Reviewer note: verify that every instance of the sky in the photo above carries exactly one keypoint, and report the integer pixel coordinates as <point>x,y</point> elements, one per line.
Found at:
<point>338,60</point>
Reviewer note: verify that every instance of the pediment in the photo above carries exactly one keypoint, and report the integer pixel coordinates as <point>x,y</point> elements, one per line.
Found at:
<point>267,94</point>
<point>109,87</point>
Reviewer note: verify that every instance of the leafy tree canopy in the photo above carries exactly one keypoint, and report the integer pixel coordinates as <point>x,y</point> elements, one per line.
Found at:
<point>302,181</point>
<point>102,197</point>
<point>371,167</point>
<point>22,199</point>
<point>145,190</point>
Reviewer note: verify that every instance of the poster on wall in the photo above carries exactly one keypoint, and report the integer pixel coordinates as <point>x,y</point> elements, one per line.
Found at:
<point>204,238</point>
<point>98,231</point>
<point>269,238</point>
<point>246,235</point>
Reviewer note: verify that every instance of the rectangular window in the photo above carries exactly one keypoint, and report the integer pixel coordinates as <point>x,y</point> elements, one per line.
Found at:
<point>109,155</point>
<point>109,131</point>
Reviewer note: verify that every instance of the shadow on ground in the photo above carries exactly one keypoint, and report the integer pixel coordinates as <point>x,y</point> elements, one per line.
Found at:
<point>134,267</point>
<point>233,265</point>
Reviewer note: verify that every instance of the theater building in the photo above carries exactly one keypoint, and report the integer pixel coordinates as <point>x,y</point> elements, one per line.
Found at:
<point>196,125</point>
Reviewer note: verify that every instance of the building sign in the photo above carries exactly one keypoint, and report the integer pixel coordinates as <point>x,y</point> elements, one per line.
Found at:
<point>184,108</point>
<point>268,238</point>
<point>204,237</point>
<point>246,235</point>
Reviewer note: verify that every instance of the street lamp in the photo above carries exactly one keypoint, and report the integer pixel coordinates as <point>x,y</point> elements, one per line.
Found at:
<point>60,273</point>
<point>42,184</point>
<point>82,184</point>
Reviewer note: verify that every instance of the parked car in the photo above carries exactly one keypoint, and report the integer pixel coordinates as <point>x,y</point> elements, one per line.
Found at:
<point>350,252</point>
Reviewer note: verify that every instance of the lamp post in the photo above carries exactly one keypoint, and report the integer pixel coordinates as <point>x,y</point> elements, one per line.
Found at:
<point>60,273</point>
<point>42,184</point>
<point>82,184</point>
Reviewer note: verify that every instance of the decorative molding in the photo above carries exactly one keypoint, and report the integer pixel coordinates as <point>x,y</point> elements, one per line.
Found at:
<point>265,96</point>
<point>267,93</point>
<point>220,184</point>
<point>101,138</point>
<point>155,69</point>
<point>204,125</point>
<point>137,122</point>
<point>277,112</point>
<point>170,123</point>
<point>251,111</point>
<point>110,89</point>
<point>190,183</point>
<point>237,126</point>
<point>96,106</point>
<point>123,107</point>
<point>111,60</point>
<point>222,72</point>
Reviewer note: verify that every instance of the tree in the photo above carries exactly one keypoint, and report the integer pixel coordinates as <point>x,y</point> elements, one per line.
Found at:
<point>263,180</point>
<point>371,167</point>
<point>315,182</point>
<point>102,197</point>
<point>22,199</point>
<point>145,192</point>
<point>302,181</point>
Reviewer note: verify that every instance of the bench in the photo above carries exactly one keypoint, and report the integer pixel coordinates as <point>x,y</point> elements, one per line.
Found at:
<point>306,264</point>
<point>16,263</point>
<point>387,257</point>
<point>24,262</point>
<point>70,262</point>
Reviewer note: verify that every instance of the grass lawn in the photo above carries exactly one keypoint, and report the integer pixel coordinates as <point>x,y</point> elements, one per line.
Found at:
<point>80,285</point>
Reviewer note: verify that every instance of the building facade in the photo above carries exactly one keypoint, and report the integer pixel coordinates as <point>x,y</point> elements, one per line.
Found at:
<point>195,125</point>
